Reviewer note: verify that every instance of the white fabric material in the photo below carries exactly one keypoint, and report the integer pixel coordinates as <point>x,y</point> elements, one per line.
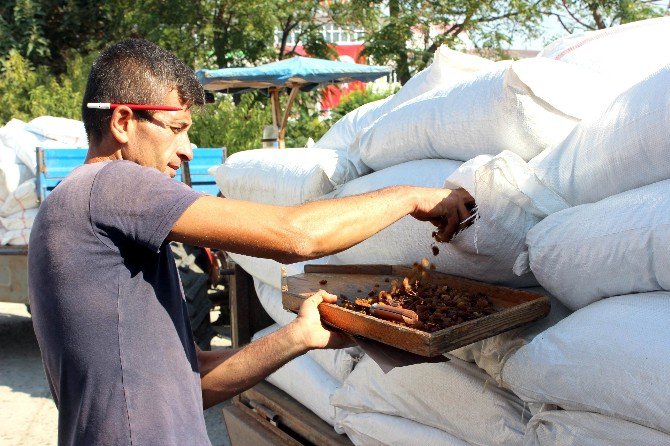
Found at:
<point>338,363</point>
<point>491,353</point>
<point>376,429</point>
<point>67,131</point>
<point>612,247</point>
<point>282,177</point>
<point>624,148</point>
<point>409,240</point>
<point>525,107</point>
<point>570,428</point>
<point>24,197</point>
<point>611,357</point>
<point>454,397</point>
<point>306,382</point>
<point>625,54</point>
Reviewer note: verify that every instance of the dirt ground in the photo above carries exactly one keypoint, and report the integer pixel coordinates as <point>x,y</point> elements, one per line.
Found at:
<point>28,414</point>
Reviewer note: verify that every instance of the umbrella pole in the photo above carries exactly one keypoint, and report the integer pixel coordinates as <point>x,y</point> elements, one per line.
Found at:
<point>276,110</point>
<point>282,129</point>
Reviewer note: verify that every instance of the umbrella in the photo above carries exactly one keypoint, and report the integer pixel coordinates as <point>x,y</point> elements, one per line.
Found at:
<point>297,73</point>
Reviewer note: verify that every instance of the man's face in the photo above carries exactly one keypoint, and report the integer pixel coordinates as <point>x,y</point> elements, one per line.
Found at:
<point>162,142</point>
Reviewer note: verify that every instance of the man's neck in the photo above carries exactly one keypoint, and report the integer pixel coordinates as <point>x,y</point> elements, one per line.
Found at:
<point>104,151</point>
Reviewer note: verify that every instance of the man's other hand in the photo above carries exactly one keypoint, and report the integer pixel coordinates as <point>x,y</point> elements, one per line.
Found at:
<point>448,210</point>
<point>308,327</point>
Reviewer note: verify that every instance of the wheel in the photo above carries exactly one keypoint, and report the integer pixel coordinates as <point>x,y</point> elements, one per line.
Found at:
<point>192,264</point>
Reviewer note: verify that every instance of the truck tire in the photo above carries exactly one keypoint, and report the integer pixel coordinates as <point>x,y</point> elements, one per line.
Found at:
<point>192,265</point>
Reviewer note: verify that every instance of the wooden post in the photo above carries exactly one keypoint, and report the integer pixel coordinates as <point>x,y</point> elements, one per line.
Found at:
<point>282,130</point>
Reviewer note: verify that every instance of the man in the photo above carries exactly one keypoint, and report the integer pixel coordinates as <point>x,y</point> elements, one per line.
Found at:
<point>107,304</point>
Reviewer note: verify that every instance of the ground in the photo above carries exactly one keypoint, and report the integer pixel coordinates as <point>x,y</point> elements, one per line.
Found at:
<point>29,416</point>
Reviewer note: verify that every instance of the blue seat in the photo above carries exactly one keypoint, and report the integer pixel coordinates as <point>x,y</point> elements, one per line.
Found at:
<point>54,164</point>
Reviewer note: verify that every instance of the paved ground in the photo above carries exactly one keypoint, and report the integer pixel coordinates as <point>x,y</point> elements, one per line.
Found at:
<point>29,416</point>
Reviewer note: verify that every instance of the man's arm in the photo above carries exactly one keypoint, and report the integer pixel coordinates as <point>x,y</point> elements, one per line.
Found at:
<point>225,373</point>
<point>312,230</point>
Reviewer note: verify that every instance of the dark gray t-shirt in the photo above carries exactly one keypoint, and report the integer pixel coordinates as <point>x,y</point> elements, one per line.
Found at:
<point>108,309</point>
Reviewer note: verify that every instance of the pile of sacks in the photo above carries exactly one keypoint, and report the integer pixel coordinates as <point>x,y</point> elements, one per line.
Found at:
<point>567,157</point>
<point>18,168</point>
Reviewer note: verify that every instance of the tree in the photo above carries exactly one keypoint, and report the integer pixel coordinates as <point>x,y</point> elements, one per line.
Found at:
<point>574,15</point>
<point>411,30</point>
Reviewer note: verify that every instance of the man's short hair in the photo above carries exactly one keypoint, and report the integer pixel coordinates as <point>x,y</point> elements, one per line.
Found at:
<point>135,71</point>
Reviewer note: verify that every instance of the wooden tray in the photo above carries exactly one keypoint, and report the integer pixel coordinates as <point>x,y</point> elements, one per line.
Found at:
<point>516,307</point>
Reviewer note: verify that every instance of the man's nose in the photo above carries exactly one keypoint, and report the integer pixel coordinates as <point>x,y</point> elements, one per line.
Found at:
<point>186,149</point>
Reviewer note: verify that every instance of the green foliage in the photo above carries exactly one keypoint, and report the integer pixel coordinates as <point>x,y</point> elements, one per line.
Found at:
<point>29,92</point>
<point>238,127</point>
<point>306,121</point>
<point>354,99</point>
<point>579,15</point>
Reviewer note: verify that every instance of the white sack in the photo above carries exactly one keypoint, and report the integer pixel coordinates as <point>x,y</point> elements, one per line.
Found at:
<point>270,271</point>
<point>266,270</point>
<point>12,171</point>
<point>376,429</point>
<point>625,54</point>
<point>338,363</point>
<point>306,382</point>
<point>409,240</point>
<point>611,357</point>
<point>282,177</point>
<point>490,354</point>
<point>510,200</point>
<point>24,197</point>
<point>524,107</point>
<point>16,237</point>
<point>270,299</point>
<point>69,132</point>
<point>624,148</point>
<point>448,67</point>
<point>571,428</point>
<point>19,220</point>
<point>455,397</point>
<point>612,247</point>
<point>343,132</point>
<point>25,138</point>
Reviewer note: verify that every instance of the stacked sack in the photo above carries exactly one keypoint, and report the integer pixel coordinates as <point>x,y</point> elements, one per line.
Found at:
<point>18,165</point>
<point>571,176</point>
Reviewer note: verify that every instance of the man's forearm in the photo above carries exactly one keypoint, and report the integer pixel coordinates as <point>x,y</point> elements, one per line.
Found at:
<point>226,373</point>
<point>334,225</point>
<point>296,233</point>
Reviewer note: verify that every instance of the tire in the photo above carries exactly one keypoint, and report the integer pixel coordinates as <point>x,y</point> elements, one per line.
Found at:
<point>192,265</point>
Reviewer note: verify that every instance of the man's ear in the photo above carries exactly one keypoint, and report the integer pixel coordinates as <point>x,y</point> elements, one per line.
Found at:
<point>122,124</point>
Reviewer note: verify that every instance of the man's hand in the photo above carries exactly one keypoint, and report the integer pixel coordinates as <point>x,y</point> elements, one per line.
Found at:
<point>309,330</point>
<point>447,209</point>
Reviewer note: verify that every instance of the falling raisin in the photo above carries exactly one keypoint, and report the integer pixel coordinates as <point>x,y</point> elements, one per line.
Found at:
<point>322,282</point>
<point>436,250</point>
